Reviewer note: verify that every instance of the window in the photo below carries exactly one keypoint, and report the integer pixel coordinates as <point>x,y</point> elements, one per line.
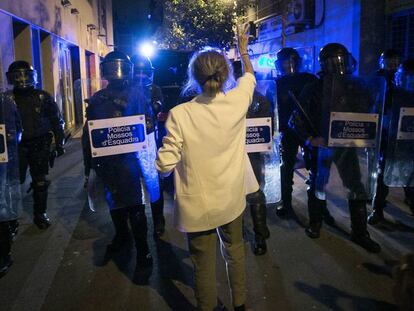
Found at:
<point>402,33</point>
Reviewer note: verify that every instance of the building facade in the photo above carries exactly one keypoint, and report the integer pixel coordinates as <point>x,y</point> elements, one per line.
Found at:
<point>64,41</point>
<point>365,27</point>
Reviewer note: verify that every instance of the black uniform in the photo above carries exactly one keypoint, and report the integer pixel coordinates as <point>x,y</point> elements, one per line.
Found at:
<point>260,108</point>
<point>121,173</point>
<point>40,118</point>
<point>10,197</point>
<point>337,65</point>
<point>290,141</point>
<point>382,190</point>
<point>42,121</point>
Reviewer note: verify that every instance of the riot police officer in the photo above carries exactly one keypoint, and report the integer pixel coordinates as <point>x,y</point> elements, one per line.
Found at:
<point>335,62</point>
<point>10,195</point>
<point>120,173</point>
<point>260,108</point>
<point>289,78</point>
<point>144,77</point>
<point>40,118</point>
<point>389,62</point>
<point>399,94</point>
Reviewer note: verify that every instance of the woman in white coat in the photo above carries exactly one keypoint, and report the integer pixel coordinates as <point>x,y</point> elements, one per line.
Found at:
<point>205,147</point>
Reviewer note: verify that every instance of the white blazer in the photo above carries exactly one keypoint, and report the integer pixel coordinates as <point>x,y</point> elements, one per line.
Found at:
<point>205,146</point>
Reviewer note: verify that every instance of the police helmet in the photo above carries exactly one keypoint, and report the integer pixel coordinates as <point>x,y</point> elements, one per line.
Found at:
<point>404,77</point>
<point>287,61</point>
<point>143,70</point>
<point>116,66</point>
<point>390,60</point>
<point>21,75</point>
<point>334,58</point>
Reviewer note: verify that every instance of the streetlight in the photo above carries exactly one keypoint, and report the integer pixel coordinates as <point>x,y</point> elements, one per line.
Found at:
<point>147,49</point>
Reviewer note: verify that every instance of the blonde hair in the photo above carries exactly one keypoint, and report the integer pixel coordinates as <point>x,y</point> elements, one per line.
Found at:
<point>209,72</point>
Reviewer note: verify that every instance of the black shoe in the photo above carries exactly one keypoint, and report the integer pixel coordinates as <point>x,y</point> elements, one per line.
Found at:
<point>281,211</point>
<point>41,221</point>
<point>144,260</point>
<point>284,210</point>
<point>240,308</point>
<point>313,231</point>
<point>259,246</point>
<point>365,241</point>
<point>5,264</point>
<point>376,217</point>
<point>119,242</point>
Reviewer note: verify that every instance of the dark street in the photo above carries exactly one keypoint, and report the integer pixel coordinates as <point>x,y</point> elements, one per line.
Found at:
<point>66,266</point>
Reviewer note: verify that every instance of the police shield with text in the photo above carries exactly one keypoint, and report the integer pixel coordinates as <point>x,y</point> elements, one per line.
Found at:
<point>336,119</point>
<point>42,122</point>
<point>264,163</point>
<point>290,79</point>
<point>113,138</point>
<point>143,78</point>
<point>10,197</point>
<point>396,162</point>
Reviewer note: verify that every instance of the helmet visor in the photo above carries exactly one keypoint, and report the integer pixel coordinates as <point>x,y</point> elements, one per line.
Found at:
<point>341,64</point>
<point>287,66</point>
<point>22,78</point>
<point>116,70</point>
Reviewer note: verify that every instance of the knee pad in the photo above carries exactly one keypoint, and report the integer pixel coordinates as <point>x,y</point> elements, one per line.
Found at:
<point>40,185</point>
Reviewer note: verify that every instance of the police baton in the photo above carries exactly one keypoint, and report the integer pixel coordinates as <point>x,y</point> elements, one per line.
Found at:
<point>305,115</point>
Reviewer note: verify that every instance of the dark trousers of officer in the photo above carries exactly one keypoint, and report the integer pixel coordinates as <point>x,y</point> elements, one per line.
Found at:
<point>120,176</point>
<point>316,207</point>
<point>157,209</point>
<point>347,164</point>
<point>289,149</point>
<point>5,244</point>
<point>257,200</point>
<point>34,154</point>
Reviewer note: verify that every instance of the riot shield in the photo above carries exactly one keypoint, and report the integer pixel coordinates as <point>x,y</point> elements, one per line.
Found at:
<point>351,114</point>
<point>263,152</point>
<point>10,131</point>
<point>119,148</point>
<point>399,154</point>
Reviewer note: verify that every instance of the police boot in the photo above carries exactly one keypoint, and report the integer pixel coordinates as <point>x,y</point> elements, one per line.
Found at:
<point>379,202</point>
<point>157,209</point>
<point>359,234</point>
<point>376,217</point>
<point>40,218</point>
<point>138,221</point>
<point>5,248</point>
<point>284,209</point>
<point>122,236</point>
<point>315,210</point>
<point>261,231</point>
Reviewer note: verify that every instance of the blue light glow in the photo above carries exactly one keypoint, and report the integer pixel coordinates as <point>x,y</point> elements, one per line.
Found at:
<point>266,62</point>
<point>147,49</point>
